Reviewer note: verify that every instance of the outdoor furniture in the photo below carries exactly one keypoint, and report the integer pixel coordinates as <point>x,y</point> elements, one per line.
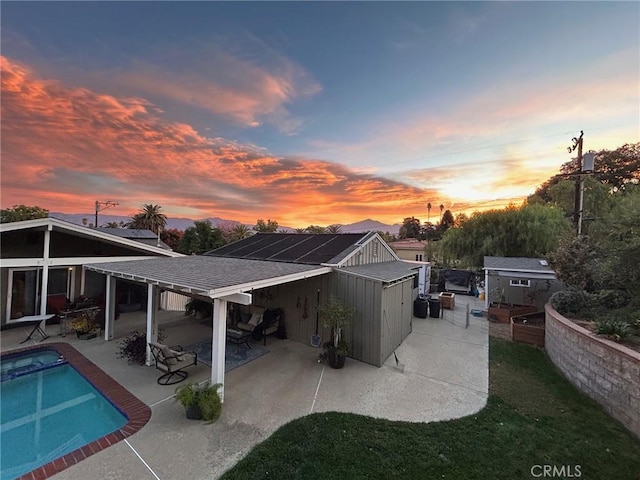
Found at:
<point>263,323</point>
<point>238,337</point>
<point>172,361</point>
<point>36,320</point>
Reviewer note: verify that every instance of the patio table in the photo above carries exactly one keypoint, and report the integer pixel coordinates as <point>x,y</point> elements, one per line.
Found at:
<point>238,337</point>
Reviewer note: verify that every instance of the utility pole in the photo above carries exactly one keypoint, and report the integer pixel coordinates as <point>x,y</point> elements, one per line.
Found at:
<point>106,204</point>
<point>577,207</point>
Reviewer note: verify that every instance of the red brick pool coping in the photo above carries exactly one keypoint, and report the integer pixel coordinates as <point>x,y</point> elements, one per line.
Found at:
<point>137,412</point>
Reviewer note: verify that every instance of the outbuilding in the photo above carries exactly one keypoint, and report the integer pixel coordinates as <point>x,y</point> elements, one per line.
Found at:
<point>519,280</point>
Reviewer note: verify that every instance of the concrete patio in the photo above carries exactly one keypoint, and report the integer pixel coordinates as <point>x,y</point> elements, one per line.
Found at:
<point>445,376</point>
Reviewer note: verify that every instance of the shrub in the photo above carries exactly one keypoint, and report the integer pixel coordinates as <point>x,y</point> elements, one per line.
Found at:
<point>134,346</point>
<point>570,301</point>
<point>614,328</point>
<point>612,299</point>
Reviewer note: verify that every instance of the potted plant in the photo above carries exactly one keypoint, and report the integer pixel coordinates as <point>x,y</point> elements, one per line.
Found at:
<point>200,401</point>
<point>336,315</point>
<point>134,346</point>
<point>84,327</point>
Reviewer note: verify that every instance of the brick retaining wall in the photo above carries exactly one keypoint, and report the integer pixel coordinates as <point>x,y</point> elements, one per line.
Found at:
<point>607,372</point>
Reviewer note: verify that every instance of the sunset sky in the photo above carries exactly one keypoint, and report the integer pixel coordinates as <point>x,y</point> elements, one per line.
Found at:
<point>307,113</point>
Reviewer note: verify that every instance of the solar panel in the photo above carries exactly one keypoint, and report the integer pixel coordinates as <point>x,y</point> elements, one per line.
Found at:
<point>290,247</point>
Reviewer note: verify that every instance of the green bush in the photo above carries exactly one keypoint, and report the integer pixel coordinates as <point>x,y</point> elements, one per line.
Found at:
<point>614,327</point>
<point>612,299</point>
<point>134,346</point>
<point>570,301</point>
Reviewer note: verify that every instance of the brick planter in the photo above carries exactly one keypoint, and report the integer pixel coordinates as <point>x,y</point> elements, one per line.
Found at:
<point>504,312</point>
<point>528,328</point>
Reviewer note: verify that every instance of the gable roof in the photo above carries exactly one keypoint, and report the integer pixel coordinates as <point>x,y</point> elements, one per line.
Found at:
<point>55,224</point>
<point>386,272</point>
<point>299,248</point>
<point>517,264</point>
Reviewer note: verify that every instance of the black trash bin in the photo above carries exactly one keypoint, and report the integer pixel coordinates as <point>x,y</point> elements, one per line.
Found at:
<point>420,307</point>
<point>434,308</point>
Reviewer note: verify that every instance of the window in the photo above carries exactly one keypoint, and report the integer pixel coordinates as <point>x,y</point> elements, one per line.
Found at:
<point>25,284</point>
<point>418,257</point>
<point>520,283</point>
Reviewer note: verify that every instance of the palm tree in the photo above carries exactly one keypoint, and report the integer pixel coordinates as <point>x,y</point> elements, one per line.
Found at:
<point>150,217</point>
<point>240,231</point>
<point>441,209</point>
<point>335,228</point>
<point>300,230</point>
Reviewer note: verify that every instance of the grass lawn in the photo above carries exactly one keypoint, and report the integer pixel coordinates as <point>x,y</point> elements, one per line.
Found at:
<point>533,417</point>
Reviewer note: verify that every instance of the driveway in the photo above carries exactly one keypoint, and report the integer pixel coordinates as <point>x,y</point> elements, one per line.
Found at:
<point>444,376</point>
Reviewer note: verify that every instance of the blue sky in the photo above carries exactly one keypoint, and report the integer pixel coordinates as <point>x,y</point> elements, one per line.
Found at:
<point>320,113</point>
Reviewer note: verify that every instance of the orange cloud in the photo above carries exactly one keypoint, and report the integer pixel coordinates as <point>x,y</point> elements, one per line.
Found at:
<point>63,148</point>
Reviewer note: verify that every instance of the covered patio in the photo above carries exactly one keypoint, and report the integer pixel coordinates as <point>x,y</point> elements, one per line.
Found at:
<point>215,279</point>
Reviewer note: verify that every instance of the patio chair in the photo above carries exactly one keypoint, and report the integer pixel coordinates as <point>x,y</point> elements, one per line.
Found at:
<point>172,361</point>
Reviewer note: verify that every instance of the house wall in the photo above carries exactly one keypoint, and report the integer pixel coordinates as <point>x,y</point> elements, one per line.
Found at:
<point>410,254</point>
<point>537,294</point>
<point>364,332</point>
<point>373,252</point>
<point>292,297</point>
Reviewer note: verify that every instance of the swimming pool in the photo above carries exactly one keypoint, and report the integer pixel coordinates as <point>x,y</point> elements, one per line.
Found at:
<point>52,416</point>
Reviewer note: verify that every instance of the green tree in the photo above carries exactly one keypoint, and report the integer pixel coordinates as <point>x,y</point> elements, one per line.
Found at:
<point>19,213</point>
<point>200,238</point>
<point>315,229</point>
<point>527,231</point>
<point>574,261</point>
<point>270,226</point>
<point>447,221</point>
<point>334,228</point>
<point>410,228</point>
<point>150,217</point>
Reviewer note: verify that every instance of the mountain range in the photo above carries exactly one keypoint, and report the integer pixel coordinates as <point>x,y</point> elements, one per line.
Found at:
<point>184,223</point>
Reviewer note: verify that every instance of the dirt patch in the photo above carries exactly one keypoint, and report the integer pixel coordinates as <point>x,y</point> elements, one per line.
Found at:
<point>500,330</point>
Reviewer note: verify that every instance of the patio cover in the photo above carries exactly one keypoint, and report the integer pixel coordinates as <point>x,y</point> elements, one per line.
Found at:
<point>208,276</point>
<point>221,279</point>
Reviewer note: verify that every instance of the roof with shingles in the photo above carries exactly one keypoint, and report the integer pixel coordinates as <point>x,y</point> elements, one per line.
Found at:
<point>203,273</point>
<point>517,264</point>
<point>385,271</point>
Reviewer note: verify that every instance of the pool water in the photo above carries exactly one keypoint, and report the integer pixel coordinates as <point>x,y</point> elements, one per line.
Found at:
<point>17,365</point>
<point>48,413</point>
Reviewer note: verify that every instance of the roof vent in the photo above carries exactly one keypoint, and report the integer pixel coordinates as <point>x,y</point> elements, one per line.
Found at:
<point>544,263</point>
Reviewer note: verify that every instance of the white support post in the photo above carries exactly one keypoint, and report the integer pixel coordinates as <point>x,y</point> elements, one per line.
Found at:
<point>110,307</point>
<point>44,289</point>
<point>486,289</point>
<point>218,341</point>
<point>152,319</point>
